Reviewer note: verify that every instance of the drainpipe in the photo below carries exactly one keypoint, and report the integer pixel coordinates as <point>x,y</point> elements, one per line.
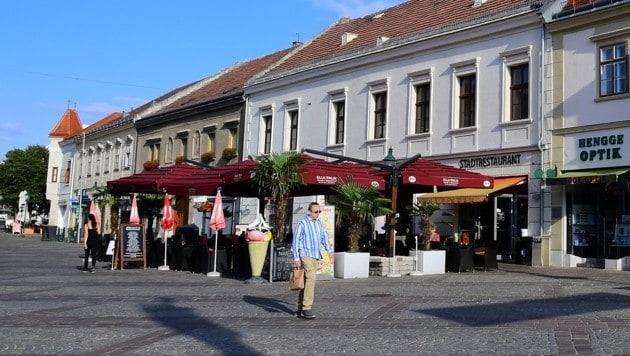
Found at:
<point>541,145</point>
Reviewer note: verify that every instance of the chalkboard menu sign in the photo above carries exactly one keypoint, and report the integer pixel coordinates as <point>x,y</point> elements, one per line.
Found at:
<point>132,244</point>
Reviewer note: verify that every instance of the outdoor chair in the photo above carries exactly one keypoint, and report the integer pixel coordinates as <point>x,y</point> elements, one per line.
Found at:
<point>459,258</point>
<point>485,256</point>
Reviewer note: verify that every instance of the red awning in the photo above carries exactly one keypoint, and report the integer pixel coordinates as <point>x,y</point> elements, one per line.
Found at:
<point>235,179</point>
<point>151,181</point>
<point>426,172</point>
<point>318,172</point>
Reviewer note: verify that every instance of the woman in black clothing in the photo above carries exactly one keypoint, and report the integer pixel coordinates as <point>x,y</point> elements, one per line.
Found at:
<point>91,240</point>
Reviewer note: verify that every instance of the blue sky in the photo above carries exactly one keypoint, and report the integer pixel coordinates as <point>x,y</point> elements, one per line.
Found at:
<point>101,56</point>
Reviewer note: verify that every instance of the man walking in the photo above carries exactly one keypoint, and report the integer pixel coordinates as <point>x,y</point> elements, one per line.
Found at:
<point>307,239</point>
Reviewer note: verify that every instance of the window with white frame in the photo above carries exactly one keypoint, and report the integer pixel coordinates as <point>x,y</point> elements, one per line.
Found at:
<point>421,100</point>
<point>211,147</point>
<point>183,148</point>
<point>154,151</point>
<point>54,174</point>
<point>127,157</point>
<point>107,161</point>
<point>613,69</point>
<point>169,151</point>
<point>465,93</point>
<point>337,117</point>
<point>266,125</point>
<point>232,137</point>
<point>117,151</point>
<point>292,118</point>
<point>516,84</point>
<point>67,173</point>
<point>90,157</point>
<point>97,165</point>
<point>378,110</point>
<point>196,145</point>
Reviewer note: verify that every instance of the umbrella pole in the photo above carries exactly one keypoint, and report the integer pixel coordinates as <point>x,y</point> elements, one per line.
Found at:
<point>165,267</point>
<point>214,272</point>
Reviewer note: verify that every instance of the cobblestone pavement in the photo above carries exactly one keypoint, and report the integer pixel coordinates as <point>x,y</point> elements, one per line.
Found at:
<point>48,306</point>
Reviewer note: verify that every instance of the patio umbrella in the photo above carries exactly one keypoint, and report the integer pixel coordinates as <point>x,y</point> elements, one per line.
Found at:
<point>167,217</point>
<point>134,217</point>
<point>166,224</point>
<point>151,181</point>
<point>217,222</point>
<point>95,211</point>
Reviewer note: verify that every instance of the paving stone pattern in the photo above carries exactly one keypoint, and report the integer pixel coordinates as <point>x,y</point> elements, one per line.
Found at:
<point>49,307</point>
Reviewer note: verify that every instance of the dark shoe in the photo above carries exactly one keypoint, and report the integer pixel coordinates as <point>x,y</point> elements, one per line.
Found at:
<point>298,313</point>
<point>307,314</point>
<point>93,270</point>
<point>85,270</point>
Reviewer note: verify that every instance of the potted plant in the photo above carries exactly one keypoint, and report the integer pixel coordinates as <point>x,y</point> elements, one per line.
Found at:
<point>151,164</point>
<point>208,157</point>
<point>428,262</point>
<point>180,159</point>
<point>277,176</point>
<point>229,153</point>
<point>355,206</point>
<point>424,211</point>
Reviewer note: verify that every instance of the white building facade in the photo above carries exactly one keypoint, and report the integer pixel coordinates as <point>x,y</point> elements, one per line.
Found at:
<point>467,94</point>
<point>591,136</point>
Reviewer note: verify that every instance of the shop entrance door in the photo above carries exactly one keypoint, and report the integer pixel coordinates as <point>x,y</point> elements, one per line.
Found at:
<point>504,225</point>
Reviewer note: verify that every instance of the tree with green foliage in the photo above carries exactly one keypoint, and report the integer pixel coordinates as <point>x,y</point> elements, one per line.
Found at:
<point>424,210</point>
<point>357,205</point>
<point>25,170</point>
<point>278,175</point>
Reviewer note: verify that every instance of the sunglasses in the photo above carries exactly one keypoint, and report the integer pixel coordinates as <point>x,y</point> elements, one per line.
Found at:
<point>316,211</point>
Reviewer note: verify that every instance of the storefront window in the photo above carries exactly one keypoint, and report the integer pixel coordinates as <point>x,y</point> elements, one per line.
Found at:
<point>598,219</point>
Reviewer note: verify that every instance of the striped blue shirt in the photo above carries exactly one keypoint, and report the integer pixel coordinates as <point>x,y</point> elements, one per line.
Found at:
<point>309,235</point>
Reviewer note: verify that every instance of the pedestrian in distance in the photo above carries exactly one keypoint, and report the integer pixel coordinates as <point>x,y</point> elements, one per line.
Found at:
<point>91,241</point>
<point>309,235</point>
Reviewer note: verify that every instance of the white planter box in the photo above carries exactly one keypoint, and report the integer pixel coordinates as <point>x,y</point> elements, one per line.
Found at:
<point>431,262</point>
<point>352,265</point>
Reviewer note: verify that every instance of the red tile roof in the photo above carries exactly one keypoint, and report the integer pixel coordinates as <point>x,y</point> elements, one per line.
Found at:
<point>69,125</point>
<point>228,82</point>
<point>103,122</point>
<point>572,4</point>
<point>408,20</point>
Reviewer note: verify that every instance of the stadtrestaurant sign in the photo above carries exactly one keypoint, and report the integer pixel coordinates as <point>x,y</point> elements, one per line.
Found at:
<point>491,161</point>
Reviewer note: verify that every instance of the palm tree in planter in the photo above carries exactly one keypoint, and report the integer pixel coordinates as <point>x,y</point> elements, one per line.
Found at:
<point>278,175</point>
<point>427,261</point>
<point>424,210</point>
<point>356,205</point>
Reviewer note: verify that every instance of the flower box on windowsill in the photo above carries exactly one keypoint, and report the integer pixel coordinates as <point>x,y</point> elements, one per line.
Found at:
<point>151,164</point>
<point>208,157</point>
<point>229,153</point>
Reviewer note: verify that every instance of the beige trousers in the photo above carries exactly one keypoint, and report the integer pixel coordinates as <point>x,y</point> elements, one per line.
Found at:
<point>306,295</point>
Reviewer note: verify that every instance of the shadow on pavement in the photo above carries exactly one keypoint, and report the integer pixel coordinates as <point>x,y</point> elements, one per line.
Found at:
<point>184,321</point>
<point>268,304</point>
<point>539,309</point>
